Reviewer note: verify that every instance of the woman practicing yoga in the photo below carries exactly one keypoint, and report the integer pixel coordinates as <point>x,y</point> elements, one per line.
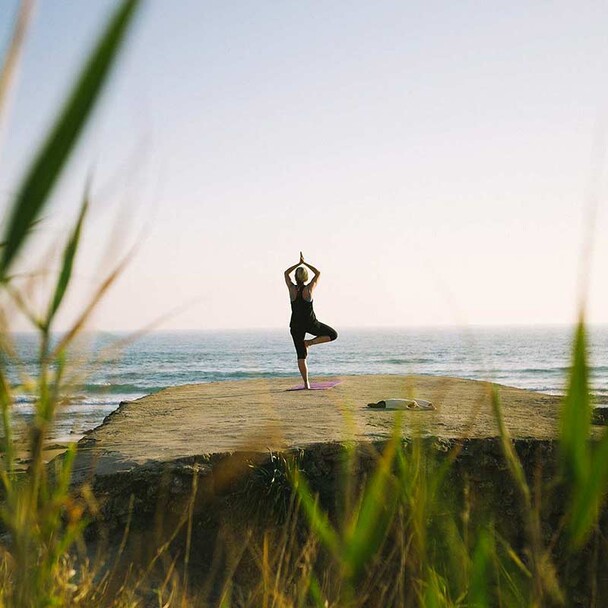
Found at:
<point>303,318</point>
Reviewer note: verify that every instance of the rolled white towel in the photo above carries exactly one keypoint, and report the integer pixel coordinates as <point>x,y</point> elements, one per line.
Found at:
<point>402,404</point>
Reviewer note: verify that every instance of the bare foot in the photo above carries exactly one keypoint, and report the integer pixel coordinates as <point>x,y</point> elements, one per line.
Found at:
<point>307,344</point>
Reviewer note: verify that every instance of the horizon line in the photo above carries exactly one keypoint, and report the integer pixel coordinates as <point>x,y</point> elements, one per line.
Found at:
<point>345,328</point>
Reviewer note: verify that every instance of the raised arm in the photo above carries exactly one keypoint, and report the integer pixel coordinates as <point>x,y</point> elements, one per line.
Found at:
<point>315,271</point>
<point>288,272</point>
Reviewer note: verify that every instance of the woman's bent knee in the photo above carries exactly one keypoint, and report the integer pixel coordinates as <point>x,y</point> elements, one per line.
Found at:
<point>333,335</point>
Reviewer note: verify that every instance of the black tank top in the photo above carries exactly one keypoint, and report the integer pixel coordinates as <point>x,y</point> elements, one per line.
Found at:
<point>302,313</point>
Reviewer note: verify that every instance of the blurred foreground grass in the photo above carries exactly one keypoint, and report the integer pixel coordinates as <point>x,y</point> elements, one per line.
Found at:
<point>406,534</point>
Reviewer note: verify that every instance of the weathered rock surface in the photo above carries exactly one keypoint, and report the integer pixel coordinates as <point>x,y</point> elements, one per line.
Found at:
<point>260,415</point>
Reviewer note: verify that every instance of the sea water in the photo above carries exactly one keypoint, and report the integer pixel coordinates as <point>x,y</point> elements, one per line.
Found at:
<point>535,358</point>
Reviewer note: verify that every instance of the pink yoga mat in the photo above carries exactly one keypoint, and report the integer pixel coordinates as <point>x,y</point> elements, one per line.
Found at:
<point>317,386</point>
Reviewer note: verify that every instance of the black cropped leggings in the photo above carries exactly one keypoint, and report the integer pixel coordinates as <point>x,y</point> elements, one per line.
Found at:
<point>316,329</point>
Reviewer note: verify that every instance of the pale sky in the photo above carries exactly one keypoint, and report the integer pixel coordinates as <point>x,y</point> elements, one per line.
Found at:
<point>433,159</point>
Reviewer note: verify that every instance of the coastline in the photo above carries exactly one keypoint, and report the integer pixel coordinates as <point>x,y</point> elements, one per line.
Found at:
<point>224,451</point>
<point>536,359</point>
<point>261,415</point>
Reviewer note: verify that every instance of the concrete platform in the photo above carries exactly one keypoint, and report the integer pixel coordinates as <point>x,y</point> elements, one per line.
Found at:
<point>261,415</point>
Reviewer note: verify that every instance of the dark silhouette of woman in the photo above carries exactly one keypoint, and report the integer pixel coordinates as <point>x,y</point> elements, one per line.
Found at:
<point>303,319</point>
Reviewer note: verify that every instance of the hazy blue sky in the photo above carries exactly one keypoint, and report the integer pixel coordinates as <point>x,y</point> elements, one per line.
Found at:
<point>432,158</point>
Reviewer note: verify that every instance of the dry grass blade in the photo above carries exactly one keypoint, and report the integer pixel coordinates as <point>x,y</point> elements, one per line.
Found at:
<point>43,520</point>
<point>90,308</point>
<point>189,532</point>
<point>8,449</point>
<point>513,461</point>
<point>66,267</point>
<point>23,307</point>
<point>52,157</point>
<point>13,53</point>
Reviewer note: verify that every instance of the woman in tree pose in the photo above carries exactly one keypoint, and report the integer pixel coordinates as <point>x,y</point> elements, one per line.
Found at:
<point>303,319</point>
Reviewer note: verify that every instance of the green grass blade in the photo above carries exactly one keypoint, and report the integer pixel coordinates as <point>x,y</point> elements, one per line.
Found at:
<point>374,516</point>
<point>67,265</point>
<point>483,556</point>
<point>513,462</point>
<point>226,599</point>
<point>53,155</point>
<point>587,501</point>
<point>317,518</point>
<point>434,593</point>
<point>8,449</point>
<point>575,418</point>
<point>316,594</point>
<point>512,556</point>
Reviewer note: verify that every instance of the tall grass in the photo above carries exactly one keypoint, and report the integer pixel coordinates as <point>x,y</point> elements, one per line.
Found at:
<point>41,519</point>
<point>408,531</point>
<point>414,534</point>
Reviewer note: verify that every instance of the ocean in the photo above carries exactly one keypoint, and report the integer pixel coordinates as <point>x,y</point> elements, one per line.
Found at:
<point>535,358</point>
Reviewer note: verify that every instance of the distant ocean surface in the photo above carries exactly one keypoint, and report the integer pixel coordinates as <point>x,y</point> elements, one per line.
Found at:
<point>535,358</point>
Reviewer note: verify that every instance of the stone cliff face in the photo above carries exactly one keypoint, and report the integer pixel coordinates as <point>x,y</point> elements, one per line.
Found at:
<point>243,493</point>
<point>219,459</point>
<point>252,480</point>
<point>260,415</point>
